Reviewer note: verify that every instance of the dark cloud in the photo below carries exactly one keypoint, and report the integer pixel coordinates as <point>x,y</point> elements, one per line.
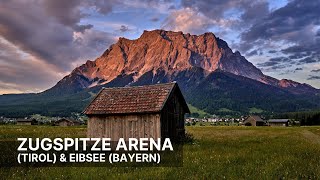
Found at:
<point>282,66</point>
<point>268,63</point>
<point>313,77</point>
<point>272,51</point>
<point>307,60</point>
<point>124,28</point>
<point>216,9</point>
<point>69,13</point>
<point>275,63</point>
<point>154,4</point>
<point>155,19</point>
<point>102,6</point>
<point>66,12</point>
<point>254,11</point>
<point>280,59</point>
<point>252,53</point>
<point>172,7</point>
<point>298,69</point>
<point>297,56</point>
<point>303,50</point>
<point>315,70</point>
<point>294,58</point>
<point>82,28</point>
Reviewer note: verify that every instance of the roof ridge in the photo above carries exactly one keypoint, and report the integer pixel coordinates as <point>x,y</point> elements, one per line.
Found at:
<point>124,87</point>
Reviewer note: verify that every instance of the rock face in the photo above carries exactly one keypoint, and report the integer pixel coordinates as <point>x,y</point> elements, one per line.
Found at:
<point>168,53</point>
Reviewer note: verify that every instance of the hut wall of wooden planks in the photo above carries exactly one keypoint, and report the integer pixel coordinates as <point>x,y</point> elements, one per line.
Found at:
<point>125,126</point>
<point>153,111</point>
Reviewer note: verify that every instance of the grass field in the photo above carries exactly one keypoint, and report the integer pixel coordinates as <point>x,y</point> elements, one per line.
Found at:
<point>218,152</point>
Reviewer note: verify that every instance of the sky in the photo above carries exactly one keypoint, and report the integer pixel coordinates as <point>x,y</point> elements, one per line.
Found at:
<point>41,41</point>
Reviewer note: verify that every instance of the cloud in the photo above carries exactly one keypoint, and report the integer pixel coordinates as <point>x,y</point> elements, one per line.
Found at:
<point>21,72</point>
<point>275,63</point>
<point>235,12</point>
<point>154,19</point>
<point>307,60</point>
<point>101,6</point>
<point>189,21</point>
<point>298,69</point>
<point>315,70</point>
<point>43,40</point>
<point>214,9</point>
<point>252,53</point>
<point>67,13</point>
<point>292,18</point>
<point>156,5</point>
<point>124,28</point>
<point>46,30</point>
<point>293,23</point>
<point>272,51</point>
<point>313,77</point>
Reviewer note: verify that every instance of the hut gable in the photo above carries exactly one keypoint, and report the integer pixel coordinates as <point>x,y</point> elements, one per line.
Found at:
<point>131,100</point>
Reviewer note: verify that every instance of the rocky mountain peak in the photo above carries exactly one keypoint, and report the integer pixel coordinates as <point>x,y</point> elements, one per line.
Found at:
<point>170,53</point>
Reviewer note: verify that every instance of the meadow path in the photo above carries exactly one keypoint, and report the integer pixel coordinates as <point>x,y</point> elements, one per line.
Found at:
<point>314,138</point>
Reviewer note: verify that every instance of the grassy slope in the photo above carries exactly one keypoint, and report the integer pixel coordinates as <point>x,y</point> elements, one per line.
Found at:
<point>255,110</point>
<point>218,152</point>
<point>199,111</point>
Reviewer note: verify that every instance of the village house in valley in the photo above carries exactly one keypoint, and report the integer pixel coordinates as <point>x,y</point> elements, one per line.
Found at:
<point>278,122</point>
<point>153,111</point>
<point>66,122</point>
<point>26,121</point>
<point>254,121</point>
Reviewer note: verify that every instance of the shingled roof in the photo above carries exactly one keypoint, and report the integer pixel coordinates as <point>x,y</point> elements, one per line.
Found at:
<point>136,99</point>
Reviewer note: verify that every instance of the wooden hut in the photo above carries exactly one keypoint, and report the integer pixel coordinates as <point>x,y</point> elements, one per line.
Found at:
<point>66,122</point>
<point>152,111</point>
<point>253,121</point>
<point>26,121</point>
<point>278,122</point>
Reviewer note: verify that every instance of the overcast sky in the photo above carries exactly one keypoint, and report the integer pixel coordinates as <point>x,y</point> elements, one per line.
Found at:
<point>43,40</point>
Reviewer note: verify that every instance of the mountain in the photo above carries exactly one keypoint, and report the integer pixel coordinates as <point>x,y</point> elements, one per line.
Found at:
<point>170,53</point>
<point>210,74</point>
